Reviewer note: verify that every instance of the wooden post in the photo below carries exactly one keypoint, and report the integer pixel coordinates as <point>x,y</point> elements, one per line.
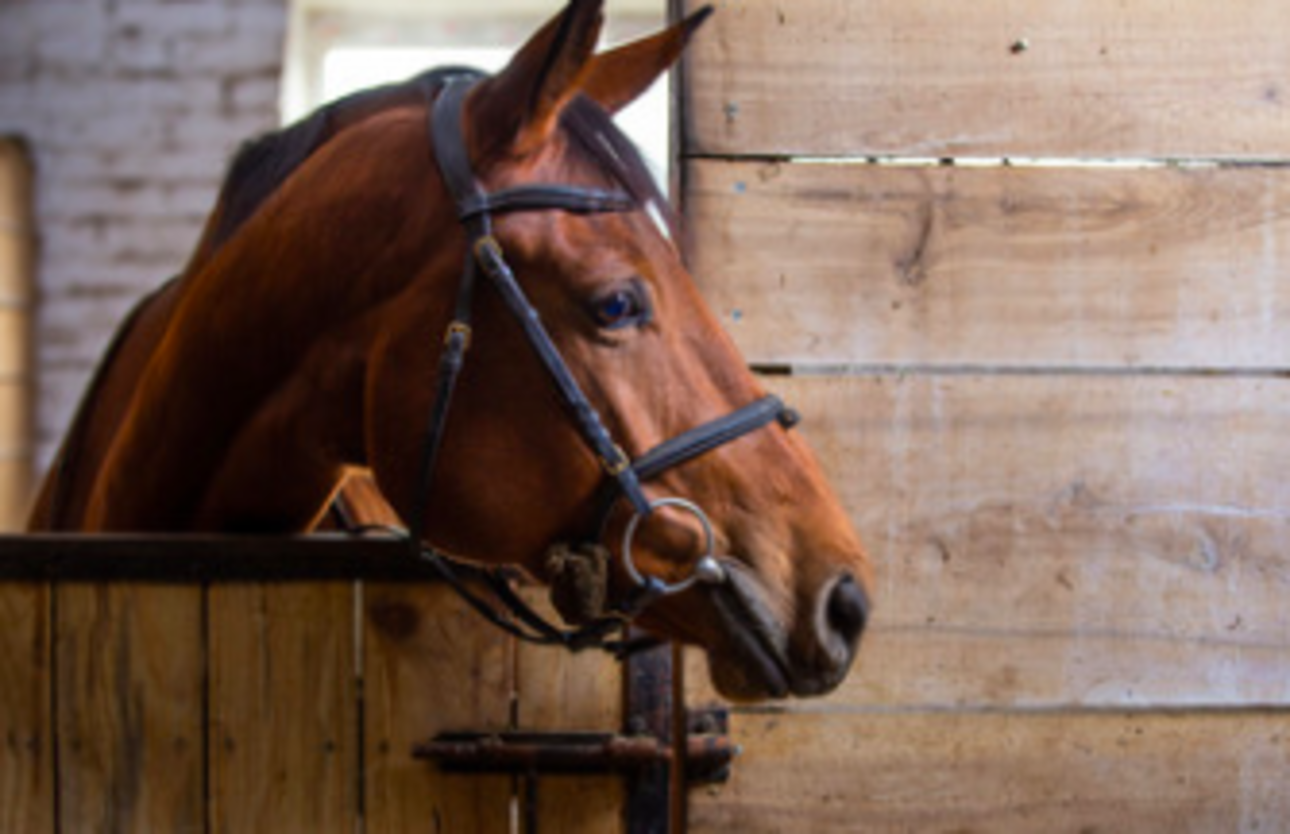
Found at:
<point>26,755</point>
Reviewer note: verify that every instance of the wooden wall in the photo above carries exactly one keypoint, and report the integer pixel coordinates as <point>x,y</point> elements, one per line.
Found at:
<point>1052,391</point>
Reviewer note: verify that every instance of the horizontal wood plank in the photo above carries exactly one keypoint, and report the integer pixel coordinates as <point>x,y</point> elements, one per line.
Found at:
<point>1096,79</point>
<point>1048,540</point>
<point>995,267</point>
<point>209,558</point>
<point>1153,773</point>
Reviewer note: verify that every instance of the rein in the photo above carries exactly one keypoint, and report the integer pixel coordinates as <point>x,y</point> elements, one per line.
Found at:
<point>623,476</point>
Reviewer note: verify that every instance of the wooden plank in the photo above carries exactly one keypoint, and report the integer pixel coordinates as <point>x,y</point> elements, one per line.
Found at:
<point>1096,79</point>
<point>208,558</point>
<point>26,743</point>
<point>431,665</point>
<point>15,417</point>
<point>15,343</point>
<point>16,260</point>
<point>131,676</point>
<point>283,708</point>
<point>995,267</point>
<point>15,480</point>
<point>559,691</point>
<point>17,253</point>
<point>1063,540</point>
<point>17,235</point>
<point>1005,773</point>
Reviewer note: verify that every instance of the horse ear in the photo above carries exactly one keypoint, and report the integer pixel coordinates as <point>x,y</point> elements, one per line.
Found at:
<point>517,109</point>
<point>616,78</point>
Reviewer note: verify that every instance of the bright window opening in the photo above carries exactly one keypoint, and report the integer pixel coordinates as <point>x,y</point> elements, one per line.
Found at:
<point>339,46</point>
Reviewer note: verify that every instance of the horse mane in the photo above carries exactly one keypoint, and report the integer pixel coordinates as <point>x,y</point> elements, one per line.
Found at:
<point>598,137</point>
<point>262,165</point>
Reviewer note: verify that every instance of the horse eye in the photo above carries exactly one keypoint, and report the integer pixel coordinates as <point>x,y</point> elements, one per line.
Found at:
<point>622,307</point>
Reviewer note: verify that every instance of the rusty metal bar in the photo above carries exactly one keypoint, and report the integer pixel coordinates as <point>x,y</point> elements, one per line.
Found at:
<point>568,753</point>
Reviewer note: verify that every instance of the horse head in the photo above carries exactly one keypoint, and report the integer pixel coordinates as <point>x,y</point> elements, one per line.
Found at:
<point>515,473</point>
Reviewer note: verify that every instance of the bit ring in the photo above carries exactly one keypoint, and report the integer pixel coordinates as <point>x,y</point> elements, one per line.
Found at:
<point>707,570</point>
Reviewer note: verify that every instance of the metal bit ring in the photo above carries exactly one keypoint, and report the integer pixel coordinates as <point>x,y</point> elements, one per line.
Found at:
<point>707,570</point>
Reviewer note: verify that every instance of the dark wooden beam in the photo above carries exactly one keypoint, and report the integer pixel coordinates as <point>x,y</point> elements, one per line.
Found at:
<point>207,558</point>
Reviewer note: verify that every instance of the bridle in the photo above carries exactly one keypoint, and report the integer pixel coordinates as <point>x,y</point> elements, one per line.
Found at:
<point>623,476</point>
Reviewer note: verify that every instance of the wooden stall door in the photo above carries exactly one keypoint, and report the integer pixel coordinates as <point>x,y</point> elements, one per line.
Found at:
<point>1024,265</point>
<point>432,665</point>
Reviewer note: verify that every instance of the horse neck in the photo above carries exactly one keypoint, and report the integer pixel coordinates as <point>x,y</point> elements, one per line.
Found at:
<point>251,405</point>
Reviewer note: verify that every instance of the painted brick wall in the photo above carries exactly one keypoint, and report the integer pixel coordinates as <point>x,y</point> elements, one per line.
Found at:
<point>131,109</point>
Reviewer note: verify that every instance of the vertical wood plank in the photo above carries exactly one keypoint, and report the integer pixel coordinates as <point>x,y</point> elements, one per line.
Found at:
<point>560,691</point>
<point>17,253</point>
<point>26,749</point>
<point>430,665</point>
<point>131,673</point>
<point>283,710</point>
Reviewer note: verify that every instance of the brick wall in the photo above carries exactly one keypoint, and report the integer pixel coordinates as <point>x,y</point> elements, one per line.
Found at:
<point>130,108</point>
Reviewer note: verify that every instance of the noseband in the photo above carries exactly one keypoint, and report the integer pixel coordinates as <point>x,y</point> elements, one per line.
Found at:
<point>622,476</point>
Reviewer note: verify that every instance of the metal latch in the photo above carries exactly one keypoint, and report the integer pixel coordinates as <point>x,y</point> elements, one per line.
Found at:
<point>708,752</point>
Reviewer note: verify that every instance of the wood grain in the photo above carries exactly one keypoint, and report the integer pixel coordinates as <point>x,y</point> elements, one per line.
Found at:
<point>17,233</point>
<point>26,742</point>
<point>17,256</point>
<point>283,708</point>
<point>431,665</point>
<point>559,691</point>
<point>995,267</point>
<point>1097,79</point>
<point>1048,541</point>
<point>129,708</point>
<point>1147,773</point>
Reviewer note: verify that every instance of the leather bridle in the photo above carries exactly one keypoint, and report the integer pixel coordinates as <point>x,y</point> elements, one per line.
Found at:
<point>622,475</point>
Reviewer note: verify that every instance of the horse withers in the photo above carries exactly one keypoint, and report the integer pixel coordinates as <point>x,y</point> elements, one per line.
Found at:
<point>461,285</point>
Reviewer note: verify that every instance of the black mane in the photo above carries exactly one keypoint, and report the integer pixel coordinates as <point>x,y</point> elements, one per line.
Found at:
<point>594,132</point>
<point>263,164</point>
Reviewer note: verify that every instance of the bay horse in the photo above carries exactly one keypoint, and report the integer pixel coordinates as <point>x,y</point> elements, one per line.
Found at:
<point>323,324</point>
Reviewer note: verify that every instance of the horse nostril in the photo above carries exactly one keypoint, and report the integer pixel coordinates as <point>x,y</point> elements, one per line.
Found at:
<point>848,609</point>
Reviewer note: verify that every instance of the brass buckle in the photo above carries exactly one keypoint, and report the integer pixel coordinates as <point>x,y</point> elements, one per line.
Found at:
<point>458,327</point>
<point>620,464</point>
<point>487,244</point>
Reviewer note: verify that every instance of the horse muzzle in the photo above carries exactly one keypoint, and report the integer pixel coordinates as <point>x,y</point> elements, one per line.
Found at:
<point>758,657</point>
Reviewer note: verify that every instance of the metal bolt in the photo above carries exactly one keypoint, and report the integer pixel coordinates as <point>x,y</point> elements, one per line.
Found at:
<point>709,571</point>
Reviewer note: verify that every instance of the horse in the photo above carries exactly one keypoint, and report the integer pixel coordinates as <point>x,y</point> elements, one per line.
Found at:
<point>468,287</point>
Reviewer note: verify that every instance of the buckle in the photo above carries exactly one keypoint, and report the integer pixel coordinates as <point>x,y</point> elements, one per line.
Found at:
<point>458,328</point>
<point>620,463</point>
<point>487,248</point>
